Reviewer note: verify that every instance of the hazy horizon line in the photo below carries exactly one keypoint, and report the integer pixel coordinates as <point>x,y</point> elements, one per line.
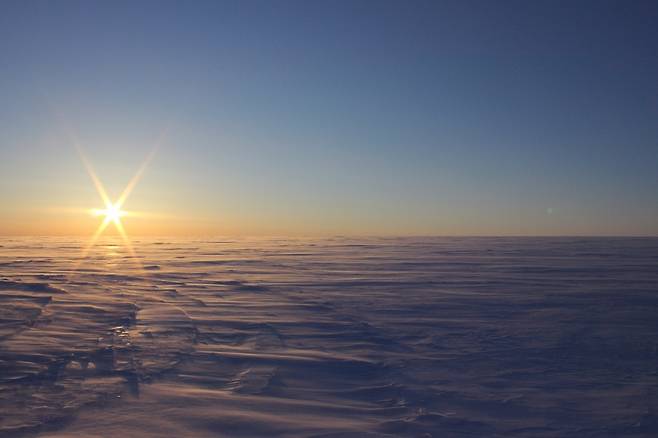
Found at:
<point>329,236</point>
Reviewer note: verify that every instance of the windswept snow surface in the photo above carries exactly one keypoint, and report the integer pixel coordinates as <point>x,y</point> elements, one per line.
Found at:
<point>338,337</point>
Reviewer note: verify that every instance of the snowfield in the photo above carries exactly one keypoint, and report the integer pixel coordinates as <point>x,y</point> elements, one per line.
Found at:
<point>377,337</point>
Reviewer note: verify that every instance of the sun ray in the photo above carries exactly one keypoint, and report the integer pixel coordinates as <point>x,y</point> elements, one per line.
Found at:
<point>112,212</point>
<point>92,174</point>
<point>128,244</point>
<point>135,179</point>
<point>92,242</point>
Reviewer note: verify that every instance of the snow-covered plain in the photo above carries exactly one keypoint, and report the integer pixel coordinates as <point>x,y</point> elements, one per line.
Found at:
<point>338,337</point>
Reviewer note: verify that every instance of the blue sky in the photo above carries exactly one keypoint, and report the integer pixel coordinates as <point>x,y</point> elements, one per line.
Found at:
<point>339,117</point>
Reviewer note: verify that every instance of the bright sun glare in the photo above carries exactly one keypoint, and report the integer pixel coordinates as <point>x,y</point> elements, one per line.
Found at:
<point>112,213</point>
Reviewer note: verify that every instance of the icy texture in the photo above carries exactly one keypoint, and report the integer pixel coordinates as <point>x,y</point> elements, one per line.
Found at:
<point>330,338</point>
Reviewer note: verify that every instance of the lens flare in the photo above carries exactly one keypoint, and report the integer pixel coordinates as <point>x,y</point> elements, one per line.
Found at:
<point>113,212</point>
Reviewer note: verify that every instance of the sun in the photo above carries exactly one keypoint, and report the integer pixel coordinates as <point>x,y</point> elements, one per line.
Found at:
<point>112,212</point>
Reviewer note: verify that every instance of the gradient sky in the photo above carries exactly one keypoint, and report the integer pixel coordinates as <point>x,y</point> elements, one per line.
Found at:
<point>333,117</point>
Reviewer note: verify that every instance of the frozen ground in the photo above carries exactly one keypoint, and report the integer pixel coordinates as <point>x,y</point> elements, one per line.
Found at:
<point>330,338</point>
